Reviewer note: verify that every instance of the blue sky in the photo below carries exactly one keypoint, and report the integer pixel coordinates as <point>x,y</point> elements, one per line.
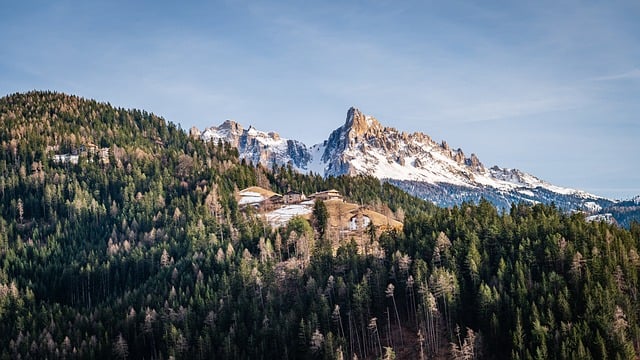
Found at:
<point>550,87</point>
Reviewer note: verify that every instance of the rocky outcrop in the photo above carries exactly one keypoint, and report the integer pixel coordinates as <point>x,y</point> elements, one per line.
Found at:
<point>474,163</point>
<point>194,132</point>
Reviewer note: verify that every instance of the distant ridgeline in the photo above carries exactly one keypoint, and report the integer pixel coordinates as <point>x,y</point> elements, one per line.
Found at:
<point>415,163</point>
<point>123,237</point>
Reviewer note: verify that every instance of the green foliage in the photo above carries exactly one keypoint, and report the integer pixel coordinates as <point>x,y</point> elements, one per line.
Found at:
<point>320,217</point>
<point>147,255</point>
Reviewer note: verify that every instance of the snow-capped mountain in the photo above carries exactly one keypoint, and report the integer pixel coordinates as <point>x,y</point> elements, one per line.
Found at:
<point>435,171</point>
<point>258,146</point>
<point>421,166</point>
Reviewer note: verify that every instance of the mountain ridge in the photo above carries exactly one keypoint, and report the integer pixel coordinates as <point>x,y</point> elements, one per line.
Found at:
<point>258,146</point>
<point>413,161</point>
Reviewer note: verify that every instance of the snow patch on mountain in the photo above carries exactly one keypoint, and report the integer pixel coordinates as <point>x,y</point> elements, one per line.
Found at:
<point>281,216</point>
<point>316,165</point>
<point>607,218</point>
<point>592,206</point>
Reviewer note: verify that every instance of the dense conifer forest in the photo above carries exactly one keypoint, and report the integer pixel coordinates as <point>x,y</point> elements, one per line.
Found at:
<point>138,249</point>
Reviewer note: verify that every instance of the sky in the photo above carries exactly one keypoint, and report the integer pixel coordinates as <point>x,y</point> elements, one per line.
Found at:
<point>549,87</point>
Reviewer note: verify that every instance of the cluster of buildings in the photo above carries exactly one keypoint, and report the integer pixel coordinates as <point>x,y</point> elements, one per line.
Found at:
<point>344,217</point>
<point>264,199</point>
<point>88,149</point>
<point>296,197</point>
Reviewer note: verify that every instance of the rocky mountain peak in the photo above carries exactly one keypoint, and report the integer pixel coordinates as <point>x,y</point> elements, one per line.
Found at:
<point>194,132</point>
<point>232,126</point>
<point>475,163</point>
<point>359,124</point>
<point>259,146</point>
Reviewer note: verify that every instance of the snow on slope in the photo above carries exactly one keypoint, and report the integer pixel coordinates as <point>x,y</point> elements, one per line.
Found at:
<point>377,163</point>
<point>282,215</point>
<point>608,218</point>
<point>316,165</point>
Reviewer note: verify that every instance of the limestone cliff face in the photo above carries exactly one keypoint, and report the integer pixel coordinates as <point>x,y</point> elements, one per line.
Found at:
<point>361,126</point>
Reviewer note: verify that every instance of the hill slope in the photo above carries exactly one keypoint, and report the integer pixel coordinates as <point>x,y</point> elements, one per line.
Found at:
<point>148,255</point>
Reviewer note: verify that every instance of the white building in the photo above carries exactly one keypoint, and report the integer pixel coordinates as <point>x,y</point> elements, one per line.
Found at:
<point>359,222</point>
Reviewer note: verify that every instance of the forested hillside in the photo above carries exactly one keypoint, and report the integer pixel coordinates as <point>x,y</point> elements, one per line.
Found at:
<point>139,250</point>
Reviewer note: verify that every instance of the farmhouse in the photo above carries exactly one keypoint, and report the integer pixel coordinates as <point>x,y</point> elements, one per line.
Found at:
<point>276,199</point>
<point>293,197</point>
<point>90,148</point>
<point>326,195</point>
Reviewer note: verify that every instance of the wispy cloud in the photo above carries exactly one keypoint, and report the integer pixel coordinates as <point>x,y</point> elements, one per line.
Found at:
<point>632,74</point>
<point>511,109</point>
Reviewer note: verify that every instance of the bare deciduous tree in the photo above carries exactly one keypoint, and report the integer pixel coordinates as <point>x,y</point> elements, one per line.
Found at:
<point>121,348</point>
<point>390,293</point>
<point>317,339</point>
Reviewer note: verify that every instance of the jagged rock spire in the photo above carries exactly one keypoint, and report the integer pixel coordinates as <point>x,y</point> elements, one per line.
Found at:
<point>358,124</point>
